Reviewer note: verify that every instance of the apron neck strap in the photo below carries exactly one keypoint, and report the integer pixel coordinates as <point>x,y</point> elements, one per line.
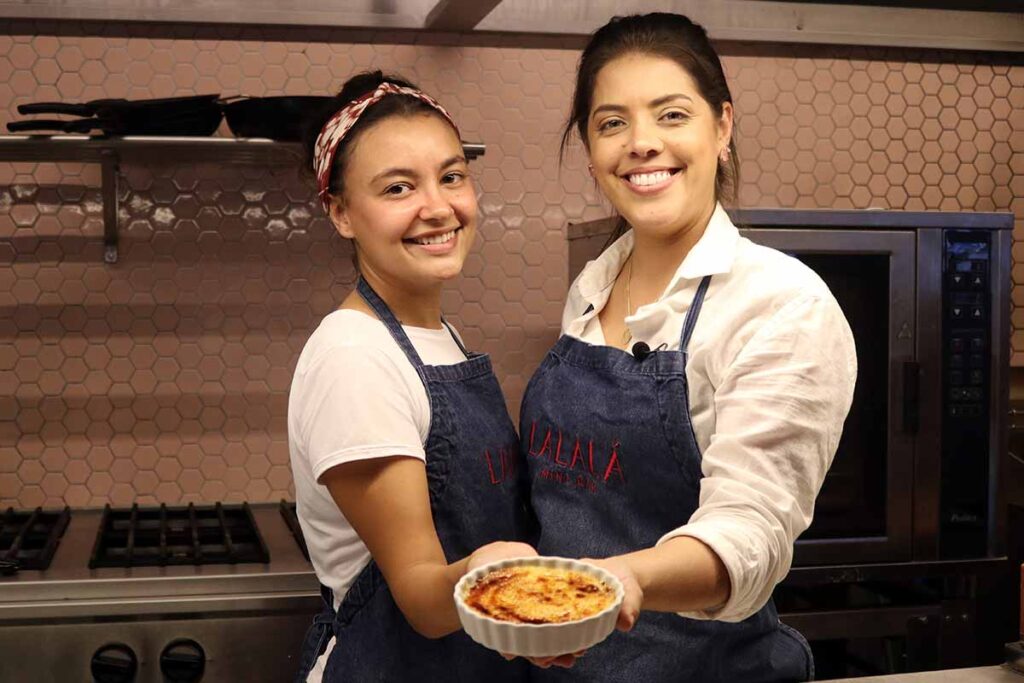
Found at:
<point>693,313</point>
<point>395,327</point>
<point>390,321</point>
<point>458,341</point>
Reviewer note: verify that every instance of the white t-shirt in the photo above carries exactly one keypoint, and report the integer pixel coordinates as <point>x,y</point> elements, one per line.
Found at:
<point>354,396</point>
<point>771,369</point>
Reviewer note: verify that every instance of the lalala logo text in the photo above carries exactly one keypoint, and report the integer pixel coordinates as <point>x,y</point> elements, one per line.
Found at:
<point>581,464</point>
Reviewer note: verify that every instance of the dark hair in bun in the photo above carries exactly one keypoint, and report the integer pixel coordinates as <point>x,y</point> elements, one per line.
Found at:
<point>357,86</point>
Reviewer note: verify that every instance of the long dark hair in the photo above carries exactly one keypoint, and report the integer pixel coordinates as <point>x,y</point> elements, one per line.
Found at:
<point>660,34</point>
<point>357,86</point>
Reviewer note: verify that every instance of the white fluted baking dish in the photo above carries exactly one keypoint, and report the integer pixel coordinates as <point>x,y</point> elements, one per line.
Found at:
<point>538,640</point>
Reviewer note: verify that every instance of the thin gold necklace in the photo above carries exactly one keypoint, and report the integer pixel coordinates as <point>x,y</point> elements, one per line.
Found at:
<point>626,333</point>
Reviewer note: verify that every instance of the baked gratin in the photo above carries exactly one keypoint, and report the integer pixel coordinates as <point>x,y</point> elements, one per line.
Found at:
<point>539,595</point>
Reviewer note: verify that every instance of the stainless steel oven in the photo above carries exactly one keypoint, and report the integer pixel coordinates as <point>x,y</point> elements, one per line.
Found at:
<point>927,294</point>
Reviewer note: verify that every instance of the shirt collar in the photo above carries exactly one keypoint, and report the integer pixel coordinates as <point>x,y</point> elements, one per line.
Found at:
<point>711,255</point>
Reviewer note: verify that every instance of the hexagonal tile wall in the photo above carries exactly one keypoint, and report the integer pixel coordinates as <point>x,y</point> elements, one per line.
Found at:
<point>164,378</point>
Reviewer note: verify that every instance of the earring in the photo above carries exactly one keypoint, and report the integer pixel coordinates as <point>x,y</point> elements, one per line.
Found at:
<point>723,156</point>
<point>590,170</point>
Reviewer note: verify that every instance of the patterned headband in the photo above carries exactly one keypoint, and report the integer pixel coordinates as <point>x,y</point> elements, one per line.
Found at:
<point>338,126</point>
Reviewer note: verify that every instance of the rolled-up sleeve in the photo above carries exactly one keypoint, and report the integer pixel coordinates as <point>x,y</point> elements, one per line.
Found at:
<point>779,413</point>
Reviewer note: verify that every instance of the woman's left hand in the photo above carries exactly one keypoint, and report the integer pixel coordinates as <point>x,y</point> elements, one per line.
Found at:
<point>634,595</point>
<point>498,550</point>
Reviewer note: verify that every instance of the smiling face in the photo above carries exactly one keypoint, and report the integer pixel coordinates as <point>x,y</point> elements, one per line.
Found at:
<point>408,203</point>
<point>654,144</point>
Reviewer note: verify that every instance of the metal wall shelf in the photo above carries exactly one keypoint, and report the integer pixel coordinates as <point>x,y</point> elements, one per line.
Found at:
<point>110,152</point>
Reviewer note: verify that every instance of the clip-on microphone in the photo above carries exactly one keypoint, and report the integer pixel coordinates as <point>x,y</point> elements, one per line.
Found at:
<point>641,350</point>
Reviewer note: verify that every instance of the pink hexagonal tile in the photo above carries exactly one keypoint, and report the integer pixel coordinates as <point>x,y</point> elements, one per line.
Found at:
<point>145,484</point>
<point>121,494</point>
<point>99,483</point>
<point>54,485</point>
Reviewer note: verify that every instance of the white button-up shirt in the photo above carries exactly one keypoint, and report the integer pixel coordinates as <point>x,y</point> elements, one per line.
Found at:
<point>771,371</point>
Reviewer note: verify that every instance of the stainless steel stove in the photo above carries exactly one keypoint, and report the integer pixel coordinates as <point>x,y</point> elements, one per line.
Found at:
<point>240,616</point>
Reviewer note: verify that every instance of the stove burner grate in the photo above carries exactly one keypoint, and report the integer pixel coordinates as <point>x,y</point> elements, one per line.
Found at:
<point>29,538</point>
<point>181,535</point>
<point>291,518</point>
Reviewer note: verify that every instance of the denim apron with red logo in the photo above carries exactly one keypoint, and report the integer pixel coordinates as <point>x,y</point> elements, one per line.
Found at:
<point>614,465</point>
<point>477,495</point>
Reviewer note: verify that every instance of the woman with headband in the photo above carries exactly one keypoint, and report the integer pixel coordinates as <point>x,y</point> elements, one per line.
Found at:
<point>397,433</point>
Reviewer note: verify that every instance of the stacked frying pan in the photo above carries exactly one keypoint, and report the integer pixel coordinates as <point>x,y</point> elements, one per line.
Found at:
<point>277,118</point>
<point>196,115</point>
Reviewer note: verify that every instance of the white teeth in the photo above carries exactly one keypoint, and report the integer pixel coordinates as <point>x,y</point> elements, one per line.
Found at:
<point>649,178</point>
<point>436,239</point>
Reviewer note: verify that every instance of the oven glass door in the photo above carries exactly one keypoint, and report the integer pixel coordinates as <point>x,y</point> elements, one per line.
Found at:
<point>864,510</point>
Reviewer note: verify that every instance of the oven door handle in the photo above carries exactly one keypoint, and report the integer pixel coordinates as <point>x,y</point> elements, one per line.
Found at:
<point>911,396</point>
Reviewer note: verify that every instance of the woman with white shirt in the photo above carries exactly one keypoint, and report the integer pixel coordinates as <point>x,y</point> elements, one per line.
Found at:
<point>683,424</point>
<point>399,436</point>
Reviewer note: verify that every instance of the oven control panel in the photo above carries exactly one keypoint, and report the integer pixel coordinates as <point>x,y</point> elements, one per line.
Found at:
<point>967,306</point>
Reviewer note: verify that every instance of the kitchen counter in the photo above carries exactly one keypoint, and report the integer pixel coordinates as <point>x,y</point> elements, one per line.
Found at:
<point>983,674</point>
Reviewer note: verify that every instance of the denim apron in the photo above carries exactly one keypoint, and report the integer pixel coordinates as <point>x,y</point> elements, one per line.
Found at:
<point>614,465</point>
<point>477,495</point>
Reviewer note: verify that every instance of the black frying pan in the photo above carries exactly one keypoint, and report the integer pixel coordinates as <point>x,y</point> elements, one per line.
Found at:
<point>193,115</point>
<point>201,124</point>
<point>277,118</point>
<point>167,106</point>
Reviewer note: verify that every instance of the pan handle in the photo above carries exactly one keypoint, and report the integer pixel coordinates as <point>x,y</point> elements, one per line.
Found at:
<point>57,108</point>
<point>79,126</point>
<point>38,124</point>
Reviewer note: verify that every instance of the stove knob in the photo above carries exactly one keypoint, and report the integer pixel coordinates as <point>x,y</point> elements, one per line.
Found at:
<point>183,661</point>
<point>114,663</point>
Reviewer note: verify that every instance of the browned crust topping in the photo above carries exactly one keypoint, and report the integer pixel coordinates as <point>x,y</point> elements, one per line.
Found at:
<point>539,595</point>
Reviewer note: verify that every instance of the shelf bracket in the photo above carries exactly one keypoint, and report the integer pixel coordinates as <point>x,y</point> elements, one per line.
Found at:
<point>110,165</point>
